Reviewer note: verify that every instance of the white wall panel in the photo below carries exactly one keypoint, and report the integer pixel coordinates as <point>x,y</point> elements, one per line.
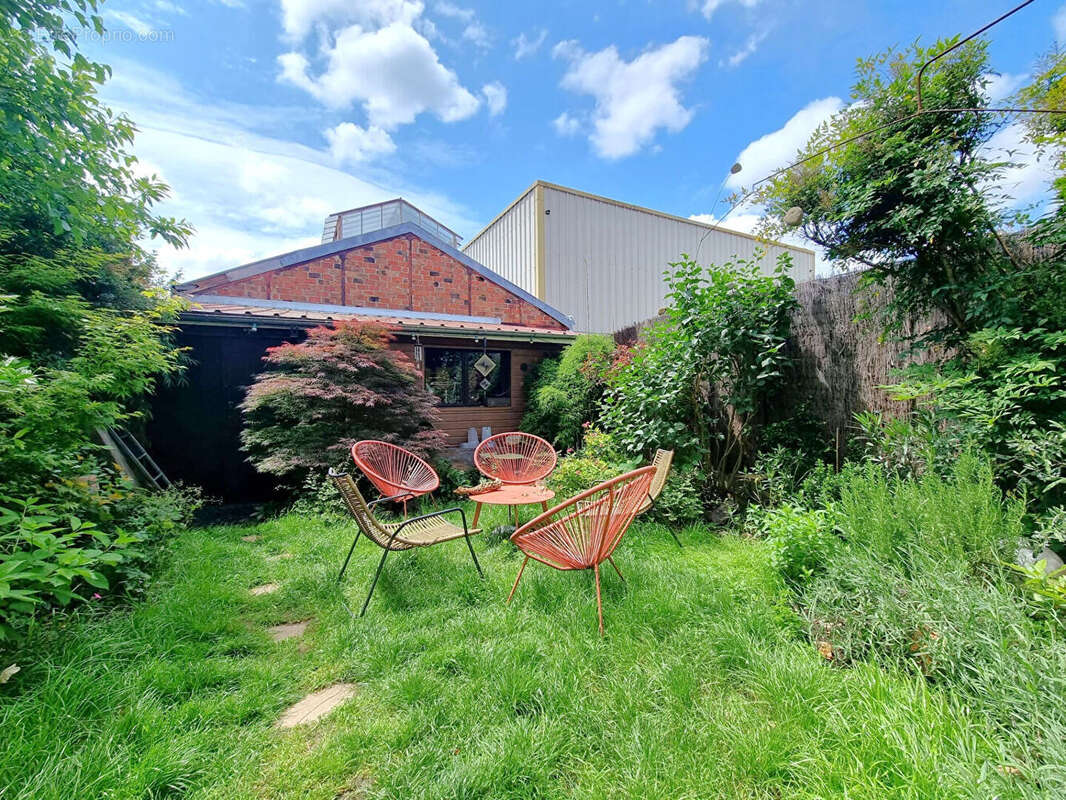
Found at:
<point>604,261</point>
<point>509,245</point>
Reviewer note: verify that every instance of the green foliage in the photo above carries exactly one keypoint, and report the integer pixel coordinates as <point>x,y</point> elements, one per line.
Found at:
<point>598,460</point>
<point>1047,591</point>
<point>1048,131</point>
<point>452,477</point>
<point>681,501</point>
<point>317,398</point>
<point>1007,395</point>
<point>915,580</point>
<point>578,472</point>
<point>82,322</point>
<point>902,200</point>
<point>563,394</point>
<point>698,380</point>
<point>802,542</point>
<point>49,556</point>
<point>66,174</point>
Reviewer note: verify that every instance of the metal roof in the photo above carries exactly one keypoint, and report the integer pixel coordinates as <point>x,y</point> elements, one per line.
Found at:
<point>305,254</point>
<point>632,207</point>
<point>241,311</point>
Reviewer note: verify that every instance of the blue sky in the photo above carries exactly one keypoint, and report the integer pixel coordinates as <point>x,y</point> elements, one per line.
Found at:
<point>265,115</point>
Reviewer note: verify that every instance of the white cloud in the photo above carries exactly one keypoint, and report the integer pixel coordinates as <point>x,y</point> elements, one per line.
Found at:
<point>452,10</point>
<point>1002,85</point>
<point>473,31</point>
<point>749,48</point>
<point>351,144</point>
<point>525,46</point>
<point>566,125</point>
<point>477,35</point>
<point>708,7</point>
<point>298,17</point>
<point>777,149</point>
<point>495,97</point>
<point>1029,181</point>
<point>250,196</point>
<point>1058,23</point>
<point>127,20</point>
<point>634,99</point>
<point>393,72</point>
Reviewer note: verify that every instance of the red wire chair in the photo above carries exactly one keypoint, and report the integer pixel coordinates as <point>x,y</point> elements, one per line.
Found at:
<point>398,474</point>
<point>583,532</point>
<point>515,458</point>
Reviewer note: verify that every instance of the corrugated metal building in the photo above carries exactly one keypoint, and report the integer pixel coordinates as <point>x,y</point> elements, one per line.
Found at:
<point>600,260</point>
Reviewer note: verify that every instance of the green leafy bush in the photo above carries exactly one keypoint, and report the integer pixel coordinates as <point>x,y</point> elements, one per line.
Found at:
<point>915,579</point>
<point>1006,395</point>
<point>83,334</point>
<point>49,556</point>
<point>576,473</point>
<point>802,542</point>
<point>681,501</point>
<point>564,394</point>
<point>698,381</point>
<point>452,477</point>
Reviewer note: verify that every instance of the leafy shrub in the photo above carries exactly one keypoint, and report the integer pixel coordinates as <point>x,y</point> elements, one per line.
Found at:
<point>564,394</point>
<point>452,477</point>
<point>697,381</point>
<point>52,557</point>
<point>576,473</point>
<point>1007,395</point>
<point>802,542</point>
<point>681,501</point>
<point>317,398</point>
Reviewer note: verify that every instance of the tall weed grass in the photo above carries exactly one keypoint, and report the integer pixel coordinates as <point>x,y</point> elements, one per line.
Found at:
<point>917,582</point>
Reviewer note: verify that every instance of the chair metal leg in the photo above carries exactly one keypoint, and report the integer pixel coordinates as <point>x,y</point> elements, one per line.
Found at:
<point>349,558</point>
<point>674,534</point>
<point>521,569</point>
<point>469,546</point>
<point>620,575</point>
<point>381,565</point>
<point>599,601</point>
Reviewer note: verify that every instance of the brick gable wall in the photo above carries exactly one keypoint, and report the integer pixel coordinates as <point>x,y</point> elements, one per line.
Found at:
<point>403,273</point>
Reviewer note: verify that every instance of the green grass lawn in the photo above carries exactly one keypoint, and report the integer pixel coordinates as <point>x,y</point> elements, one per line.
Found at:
<point>704,686</point>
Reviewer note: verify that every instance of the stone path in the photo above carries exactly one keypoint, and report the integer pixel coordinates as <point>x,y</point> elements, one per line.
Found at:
<point>288,630</point>
<point>266,588</point>
<point>316,705</point>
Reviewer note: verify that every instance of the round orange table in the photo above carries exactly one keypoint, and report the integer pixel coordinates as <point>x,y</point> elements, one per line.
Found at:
<point>512,496</point>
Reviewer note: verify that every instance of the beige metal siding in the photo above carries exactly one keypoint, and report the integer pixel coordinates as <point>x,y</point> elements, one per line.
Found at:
<point>508,245</point>
<point>604,261</point>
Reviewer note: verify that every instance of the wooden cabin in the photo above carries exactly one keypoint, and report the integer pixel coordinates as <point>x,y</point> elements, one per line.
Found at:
<point>389,263</point>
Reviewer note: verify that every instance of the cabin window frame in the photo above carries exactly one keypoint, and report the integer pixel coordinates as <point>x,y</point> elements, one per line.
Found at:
<point>495,397</point>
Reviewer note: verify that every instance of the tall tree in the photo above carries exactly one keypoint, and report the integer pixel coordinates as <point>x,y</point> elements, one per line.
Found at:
<point>912,199</point>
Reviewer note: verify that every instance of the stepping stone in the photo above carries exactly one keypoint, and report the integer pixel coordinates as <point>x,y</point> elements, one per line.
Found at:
<point>279,556</point>
<point>252,538</point>
<point>266,588</point>
<point>288,630</point>
<point>316,705</point>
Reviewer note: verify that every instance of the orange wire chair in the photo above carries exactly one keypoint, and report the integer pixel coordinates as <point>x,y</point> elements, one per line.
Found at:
<point>515,458</point>
<point>583,532</point>
<point>398,474</point>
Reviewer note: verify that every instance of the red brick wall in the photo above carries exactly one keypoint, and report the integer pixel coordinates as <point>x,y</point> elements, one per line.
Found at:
<point>403,273</point>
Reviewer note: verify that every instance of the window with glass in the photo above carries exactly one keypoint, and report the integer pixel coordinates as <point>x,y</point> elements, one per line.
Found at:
<point>469,377</point>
